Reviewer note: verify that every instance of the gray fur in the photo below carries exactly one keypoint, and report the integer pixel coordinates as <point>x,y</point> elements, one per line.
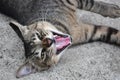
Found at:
<point>27,11</point>
<point>61,13</point>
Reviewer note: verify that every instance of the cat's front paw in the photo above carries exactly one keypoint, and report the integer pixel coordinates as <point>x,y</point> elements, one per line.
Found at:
<point>114,11</point>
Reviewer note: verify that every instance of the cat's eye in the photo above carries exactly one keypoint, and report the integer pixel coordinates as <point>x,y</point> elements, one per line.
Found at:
<point>42,55</point>
<point>36,55</point>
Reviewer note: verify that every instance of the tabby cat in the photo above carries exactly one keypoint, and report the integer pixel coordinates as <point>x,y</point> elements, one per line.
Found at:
<point>48,27</point>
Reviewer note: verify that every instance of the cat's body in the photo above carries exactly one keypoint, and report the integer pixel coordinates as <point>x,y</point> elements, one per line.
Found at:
<point>56,17</point>
<point>61,13</point>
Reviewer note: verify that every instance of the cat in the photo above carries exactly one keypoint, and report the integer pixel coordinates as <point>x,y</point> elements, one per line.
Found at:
<point>48,27</point>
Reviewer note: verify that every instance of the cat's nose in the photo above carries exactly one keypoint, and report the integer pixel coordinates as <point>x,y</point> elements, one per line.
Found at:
<point>47,42</point>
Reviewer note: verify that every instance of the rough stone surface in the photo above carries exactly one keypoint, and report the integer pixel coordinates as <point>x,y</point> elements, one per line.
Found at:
<point>92,61</point>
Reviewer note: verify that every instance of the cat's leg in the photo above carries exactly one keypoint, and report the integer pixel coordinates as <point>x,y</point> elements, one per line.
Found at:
<point>89,33</point>
<point>99,7</point>
<point>105,34</point>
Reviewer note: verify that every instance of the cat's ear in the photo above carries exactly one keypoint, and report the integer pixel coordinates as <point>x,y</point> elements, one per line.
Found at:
<point>19,29</point>
<point>26,69</point>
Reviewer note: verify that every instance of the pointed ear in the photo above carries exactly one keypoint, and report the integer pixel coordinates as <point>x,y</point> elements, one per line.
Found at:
<point>19,29</point>
<point>25,70</point>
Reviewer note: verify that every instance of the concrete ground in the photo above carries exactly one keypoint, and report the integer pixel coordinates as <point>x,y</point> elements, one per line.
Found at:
<point>92,61</point>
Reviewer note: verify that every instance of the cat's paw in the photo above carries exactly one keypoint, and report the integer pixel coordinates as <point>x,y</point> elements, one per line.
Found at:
<point>114,11</point>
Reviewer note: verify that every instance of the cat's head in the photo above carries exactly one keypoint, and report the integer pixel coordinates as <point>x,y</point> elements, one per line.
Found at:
<point>43,43</point>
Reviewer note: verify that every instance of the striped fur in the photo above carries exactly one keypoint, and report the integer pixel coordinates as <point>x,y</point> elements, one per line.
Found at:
<point>58,16</point>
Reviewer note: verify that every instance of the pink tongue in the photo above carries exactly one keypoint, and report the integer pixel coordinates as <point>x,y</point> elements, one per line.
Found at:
<point>62,42</point>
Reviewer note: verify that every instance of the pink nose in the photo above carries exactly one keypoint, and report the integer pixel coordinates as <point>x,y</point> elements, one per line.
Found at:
<point>46,42</point>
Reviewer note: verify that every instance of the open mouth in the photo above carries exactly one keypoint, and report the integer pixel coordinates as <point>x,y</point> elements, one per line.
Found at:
<point>62,41</point>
